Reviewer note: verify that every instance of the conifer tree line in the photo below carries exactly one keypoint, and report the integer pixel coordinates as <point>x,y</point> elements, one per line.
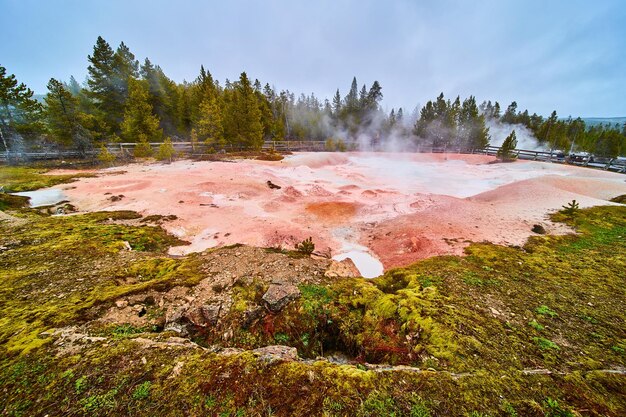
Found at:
<point>125,100</point>
<point>567,134</point>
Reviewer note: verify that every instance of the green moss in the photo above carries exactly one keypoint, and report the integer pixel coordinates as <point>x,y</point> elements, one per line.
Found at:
<point>18,179</point>
<point>142,391</point>
<point>8,201</point>
<point>546,311</point>
<point>479,339</point>
<point>554,409</point>
<point>545,344</point>
<point>58,268</point>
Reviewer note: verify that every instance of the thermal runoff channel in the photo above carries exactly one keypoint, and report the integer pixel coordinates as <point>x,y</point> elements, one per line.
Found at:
<point>381,210</point>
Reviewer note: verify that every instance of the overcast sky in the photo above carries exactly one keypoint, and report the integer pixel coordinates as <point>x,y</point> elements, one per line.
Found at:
<point>564,55</point>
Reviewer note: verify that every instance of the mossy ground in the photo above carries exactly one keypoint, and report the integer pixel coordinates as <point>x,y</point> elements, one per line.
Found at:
<point>532,331</point>
<point>16,179</point>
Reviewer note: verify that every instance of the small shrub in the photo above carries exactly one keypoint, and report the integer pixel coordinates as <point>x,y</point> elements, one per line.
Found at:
<point>194,140</point>
<point>97,402</point>
<point>571,208</point>
<point>554,409</point>
<point>142,391</point>
<point>166,151</point>
<point>105,156</point>
<point>535,325</point>
<point>618,349</point>
<point>545,344</point>
<point>210,401</point>
<point>505,153</point>
<point>546,311</point>
<point>378,404</point>
<point>281,338</point>
<point>126,330</point>
<point>306,246</point>
<point>419,409</point>
<point>330,405</point>
<point>509,409</point>
<point>69,374</point>
<point>80,385</point>
<point>142,148</point>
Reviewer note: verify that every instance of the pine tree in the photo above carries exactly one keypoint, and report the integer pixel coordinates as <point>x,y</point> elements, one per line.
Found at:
<point>182,111</point>
<point>19,112</point>
<point>505,153</point>
<point>108,79</point>
<point>242,116</point>
<point>440,106</point>
<point>166,151</point>
<point>101,83</point>
<point>473,133</point>
<point>142,148</point>
<point>374,96</point>
<point>84,103</point>
<point>426,117</point>
<point>479,135</point>
<point>496,111</point>
<point>336,104</point>
<point>209,127</point>
<point>63,117</point>
<point>149,74</point>
<point>391,120</point>
<point>105,156</point>
<point>352,99</point>
<point>363,99</point>
<point>138,116</point>
<point>510,115</point>
<point>194,140</point>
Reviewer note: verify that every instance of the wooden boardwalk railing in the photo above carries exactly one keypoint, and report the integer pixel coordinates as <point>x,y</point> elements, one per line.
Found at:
<point>199,149</point>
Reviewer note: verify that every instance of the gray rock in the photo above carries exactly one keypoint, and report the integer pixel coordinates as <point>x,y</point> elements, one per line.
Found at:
<point>251,315</point>
<point>539,229</point>
<point>279,295</point>
<point>176,327</point>
<point>174,315</point>
<point>211,313</point>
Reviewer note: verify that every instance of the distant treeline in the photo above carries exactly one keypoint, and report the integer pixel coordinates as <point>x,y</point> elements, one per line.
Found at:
<point>123,100</point>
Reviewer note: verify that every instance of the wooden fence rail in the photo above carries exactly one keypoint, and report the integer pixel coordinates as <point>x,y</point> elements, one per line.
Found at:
<point>198,149</point>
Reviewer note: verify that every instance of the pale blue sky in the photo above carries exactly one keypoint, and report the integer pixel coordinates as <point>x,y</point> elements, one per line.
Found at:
<point>563,55</point>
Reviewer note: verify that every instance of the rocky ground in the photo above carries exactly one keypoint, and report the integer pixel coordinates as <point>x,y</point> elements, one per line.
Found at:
<point>97,318</point>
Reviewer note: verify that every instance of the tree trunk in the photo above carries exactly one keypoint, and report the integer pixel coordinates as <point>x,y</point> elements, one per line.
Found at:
<point>4,142</point>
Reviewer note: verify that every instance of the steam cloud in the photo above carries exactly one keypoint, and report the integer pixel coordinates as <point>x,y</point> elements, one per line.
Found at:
<point>525,138</point>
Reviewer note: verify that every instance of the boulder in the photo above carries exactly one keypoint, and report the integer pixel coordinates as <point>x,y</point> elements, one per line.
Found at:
<point>251,315</point>
<point>279,295</point>
<point>539,229</point>
<point>208,314</point>
<point>211,313</point>
<point>344,269</point>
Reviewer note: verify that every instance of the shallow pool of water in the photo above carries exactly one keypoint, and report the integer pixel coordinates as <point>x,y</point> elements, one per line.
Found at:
<point>368,265</point>
<point>45,197</point>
